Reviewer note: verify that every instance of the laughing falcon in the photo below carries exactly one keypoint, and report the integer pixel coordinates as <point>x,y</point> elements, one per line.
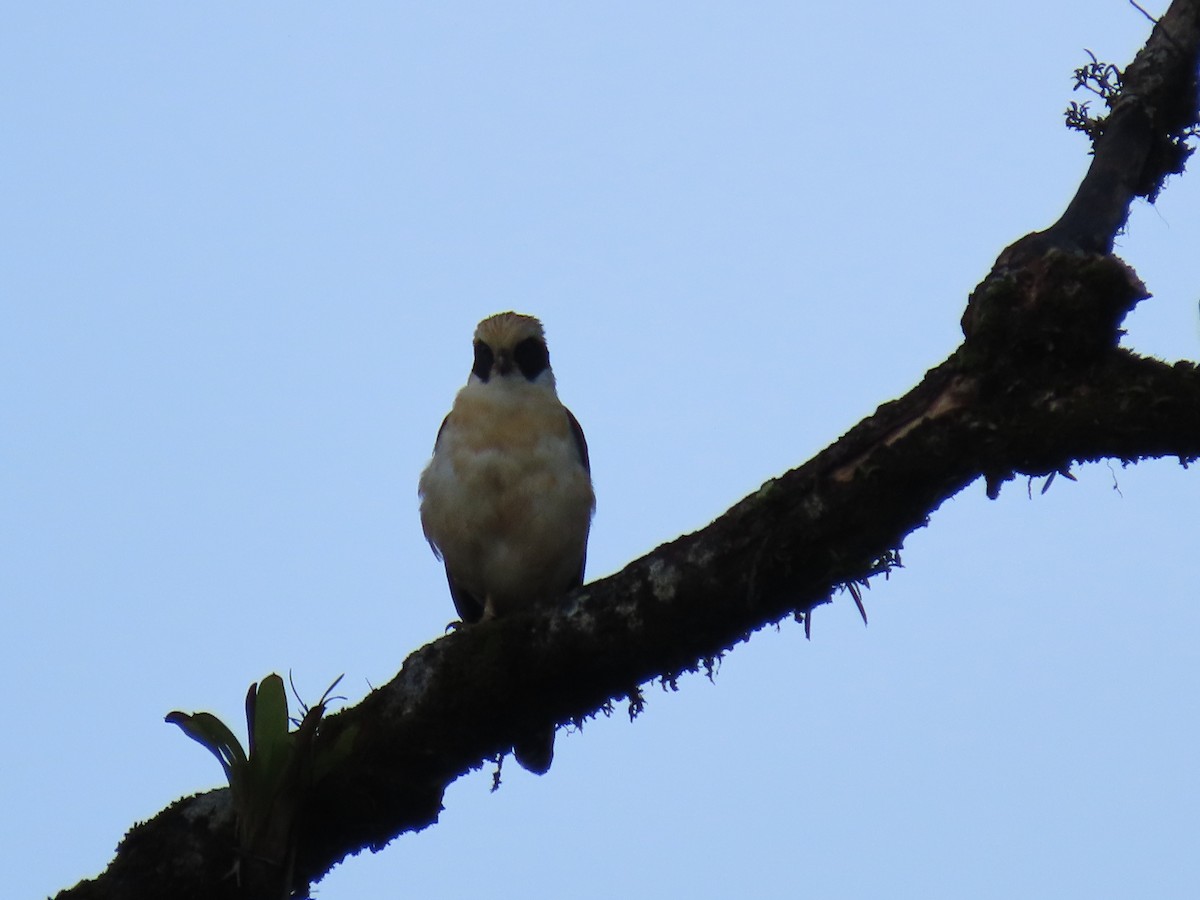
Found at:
<point>506,501</point>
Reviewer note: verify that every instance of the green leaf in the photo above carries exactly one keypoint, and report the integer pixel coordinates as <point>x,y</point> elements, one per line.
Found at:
<point>267,718</point>
<point>207,729</point>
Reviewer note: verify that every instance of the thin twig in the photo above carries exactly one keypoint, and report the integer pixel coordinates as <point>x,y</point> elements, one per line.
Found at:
<point>1143,12</point>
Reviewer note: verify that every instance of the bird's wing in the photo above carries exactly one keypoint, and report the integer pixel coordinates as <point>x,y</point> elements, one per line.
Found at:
<point>581,446</point>
<point>441,428</point>
<point>469,608</point>
<point>580,441</point>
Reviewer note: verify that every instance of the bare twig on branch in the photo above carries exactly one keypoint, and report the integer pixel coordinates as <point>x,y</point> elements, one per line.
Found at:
<point>1038,384</point>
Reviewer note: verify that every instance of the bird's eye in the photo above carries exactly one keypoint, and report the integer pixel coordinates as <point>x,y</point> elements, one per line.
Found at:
<point>531,357</point>
<point>483,360</point>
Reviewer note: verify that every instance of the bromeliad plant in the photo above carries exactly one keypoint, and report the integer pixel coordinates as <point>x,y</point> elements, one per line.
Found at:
<point>270,783</point>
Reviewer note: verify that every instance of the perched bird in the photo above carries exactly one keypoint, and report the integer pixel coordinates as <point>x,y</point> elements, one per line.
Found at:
<point>507,501</point>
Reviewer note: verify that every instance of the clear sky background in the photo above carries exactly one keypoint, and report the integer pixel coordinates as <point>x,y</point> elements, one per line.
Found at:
<point>243,248</point>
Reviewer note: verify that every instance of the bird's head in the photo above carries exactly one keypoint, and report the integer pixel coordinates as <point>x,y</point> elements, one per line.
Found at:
<point>510,345</point>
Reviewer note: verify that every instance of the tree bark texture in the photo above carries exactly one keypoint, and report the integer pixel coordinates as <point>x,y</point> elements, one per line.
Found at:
<point>1038,384</point>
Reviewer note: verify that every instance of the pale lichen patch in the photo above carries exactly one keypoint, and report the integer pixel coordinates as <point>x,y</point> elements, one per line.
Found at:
<point>700,555</point>
<point>664,578</point>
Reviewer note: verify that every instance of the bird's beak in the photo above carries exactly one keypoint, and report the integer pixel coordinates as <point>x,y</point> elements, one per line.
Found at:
<point>503,364</point>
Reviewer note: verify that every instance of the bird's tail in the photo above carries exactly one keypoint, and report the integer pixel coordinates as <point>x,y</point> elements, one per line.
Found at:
<point>535,752</point>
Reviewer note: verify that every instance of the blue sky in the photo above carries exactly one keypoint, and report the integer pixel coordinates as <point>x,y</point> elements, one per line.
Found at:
<point>243,250</point>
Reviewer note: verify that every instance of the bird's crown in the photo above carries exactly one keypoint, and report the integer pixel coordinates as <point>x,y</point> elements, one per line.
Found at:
<point>507,329</point>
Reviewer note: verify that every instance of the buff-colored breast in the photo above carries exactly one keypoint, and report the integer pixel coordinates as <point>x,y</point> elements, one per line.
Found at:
<point>506,499</point>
